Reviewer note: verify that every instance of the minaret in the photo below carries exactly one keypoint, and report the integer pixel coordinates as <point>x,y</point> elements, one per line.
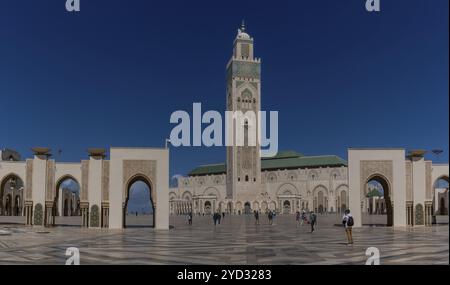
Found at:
<point>243,94</point>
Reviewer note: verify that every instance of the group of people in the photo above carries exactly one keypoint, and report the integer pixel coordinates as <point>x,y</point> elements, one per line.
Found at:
<point>301,219</point>
<point>270,215</point>
<point>217,217</point>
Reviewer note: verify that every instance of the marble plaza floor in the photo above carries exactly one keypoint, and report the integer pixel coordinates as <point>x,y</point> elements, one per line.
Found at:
<point>237,240</point>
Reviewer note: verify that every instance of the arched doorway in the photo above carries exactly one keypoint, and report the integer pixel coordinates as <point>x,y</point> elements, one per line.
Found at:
<point>67,194</point>
<point>320,202</point>
<point>247,208</point>
<point>440,199</point>
<point>286,207</point>
<point>208,208</point>
<point>139,205</point>
<point>377,202</point>
<point>11,196</point>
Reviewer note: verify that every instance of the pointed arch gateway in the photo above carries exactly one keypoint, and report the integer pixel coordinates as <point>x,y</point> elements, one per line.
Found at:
<point>66,204</point>
<point>387,199</point>
<point>387,167</point>
<point>11,195</point>
<point>139,186</point>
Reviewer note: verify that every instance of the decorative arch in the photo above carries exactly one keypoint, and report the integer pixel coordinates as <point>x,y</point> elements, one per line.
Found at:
<point>320,199</point>
<point>172,196</point>
<point>287,189</point>
<point>212,191</point>
<point>11,204</point>
<point>342,197</point>
<point>247,87</point>
<point>186,196</point>
<point>145,179</point>
<point>343,185</point>
<point>387,193</point>
<point>443,177</point>
<point>320,187</point>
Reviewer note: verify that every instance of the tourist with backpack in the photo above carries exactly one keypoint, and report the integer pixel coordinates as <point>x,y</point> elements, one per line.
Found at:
<point>348,222</point>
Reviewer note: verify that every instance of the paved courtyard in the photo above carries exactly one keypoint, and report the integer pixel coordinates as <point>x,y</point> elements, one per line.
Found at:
<point>237,240</point>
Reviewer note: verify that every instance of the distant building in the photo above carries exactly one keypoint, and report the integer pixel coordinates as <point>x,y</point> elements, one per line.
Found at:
<point>287,182</point>
<point>9,155</point>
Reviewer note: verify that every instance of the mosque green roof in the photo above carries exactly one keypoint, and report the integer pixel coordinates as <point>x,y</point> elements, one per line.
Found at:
<point>283,160</point>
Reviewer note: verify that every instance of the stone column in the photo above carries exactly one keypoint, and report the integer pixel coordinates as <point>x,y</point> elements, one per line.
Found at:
<point>29,213</point>
<point>105,215</point>
<point>85,214</point>
<point>49,219</point>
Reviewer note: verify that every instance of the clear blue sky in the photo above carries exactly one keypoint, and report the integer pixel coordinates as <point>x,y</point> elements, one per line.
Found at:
<point>112,74</point>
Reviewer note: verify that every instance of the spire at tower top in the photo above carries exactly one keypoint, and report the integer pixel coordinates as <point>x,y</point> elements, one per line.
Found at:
<point>241,32</point>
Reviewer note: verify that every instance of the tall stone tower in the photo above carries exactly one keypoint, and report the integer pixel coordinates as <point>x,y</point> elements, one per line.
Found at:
<point>243,94</point>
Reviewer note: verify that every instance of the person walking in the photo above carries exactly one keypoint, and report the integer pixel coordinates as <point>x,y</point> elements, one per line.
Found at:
<point>270,216</point>
<point>312,220</point>
<point>215,218</point>
<point>190,218</point>
<point>303,217</point>
<point>219,217</point>
<point>297,218</point>
<point>256,213</point>
<point>348,222</point>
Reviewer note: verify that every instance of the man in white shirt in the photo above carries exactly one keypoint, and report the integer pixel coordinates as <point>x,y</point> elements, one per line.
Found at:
<point>347,220</point>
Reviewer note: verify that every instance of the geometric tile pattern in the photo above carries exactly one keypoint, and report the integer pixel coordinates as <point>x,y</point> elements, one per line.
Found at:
<point>237,240</point>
